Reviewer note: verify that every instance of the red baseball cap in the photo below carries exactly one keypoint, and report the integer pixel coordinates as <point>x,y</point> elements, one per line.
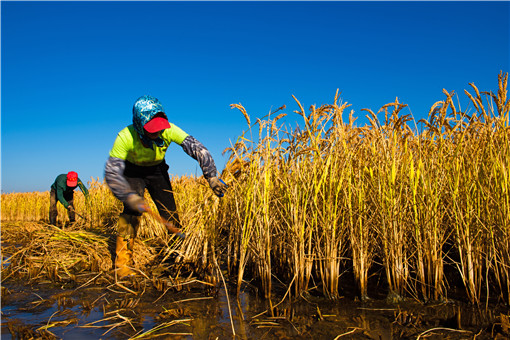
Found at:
<point>72,179</point>
<point>156,124</point>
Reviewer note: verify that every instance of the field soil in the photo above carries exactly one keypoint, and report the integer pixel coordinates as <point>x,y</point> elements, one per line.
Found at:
<point>92,305</point>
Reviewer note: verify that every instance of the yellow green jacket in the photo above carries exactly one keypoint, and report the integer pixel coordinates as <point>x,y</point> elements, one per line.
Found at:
<point>129,147</point>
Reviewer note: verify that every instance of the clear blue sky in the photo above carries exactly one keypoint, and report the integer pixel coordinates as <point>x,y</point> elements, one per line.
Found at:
<point>71,71</point>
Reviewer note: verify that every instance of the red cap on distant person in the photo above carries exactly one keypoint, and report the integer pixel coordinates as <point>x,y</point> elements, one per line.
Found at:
<point>72,179</point>
<point>156,124</point>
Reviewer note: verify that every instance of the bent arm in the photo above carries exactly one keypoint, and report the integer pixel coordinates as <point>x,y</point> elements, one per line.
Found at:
<point>60,197</point>
<point>83,188</point>
<point>199,152</point>
<point>114,176</point>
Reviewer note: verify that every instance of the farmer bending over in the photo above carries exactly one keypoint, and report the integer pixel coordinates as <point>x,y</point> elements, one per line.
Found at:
<point>63,191</point>
<point>137,161</point>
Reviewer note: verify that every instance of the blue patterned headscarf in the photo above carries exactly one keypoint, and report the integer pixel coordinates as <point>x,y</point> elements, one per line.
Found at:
<point>144,109</point>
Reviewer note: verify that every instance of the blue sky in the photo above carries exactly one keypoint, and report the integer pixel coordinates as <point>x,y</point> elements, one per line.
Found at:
<point>71,71</point>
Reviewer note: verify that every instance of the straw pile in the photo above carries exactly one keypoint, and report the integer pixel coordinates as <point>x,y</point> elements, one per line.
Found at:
<point>36,251</point>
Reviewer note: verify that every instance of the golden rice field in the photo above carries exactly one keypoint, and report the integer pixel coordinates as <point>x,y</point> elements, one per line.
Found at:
<point>424,206</point>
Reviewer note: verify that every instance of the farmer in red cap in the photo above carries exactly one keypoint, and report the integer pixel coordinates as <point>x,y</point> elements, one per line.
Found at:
<point>62,190</point>
<point>137,162</point>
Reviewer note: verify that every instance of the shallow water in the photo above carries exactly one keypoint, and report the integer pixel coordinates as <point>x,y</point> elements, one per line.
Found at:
<point>48,311</point>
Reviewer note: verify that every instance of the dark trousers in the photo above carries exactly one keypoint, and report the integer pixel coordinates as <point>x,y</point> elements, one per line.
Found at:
<point>156,180</point>
<point>68,196</point>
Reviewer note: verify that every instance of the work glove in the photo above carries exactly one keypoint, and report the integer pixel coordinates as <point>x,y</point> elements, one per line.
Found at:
<point>217,185</point>
<point>137,203</point>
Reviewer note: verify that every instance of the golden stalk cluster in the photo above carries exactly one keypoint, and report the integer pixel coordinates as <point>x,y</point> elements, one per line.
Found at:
<point>331,198</point>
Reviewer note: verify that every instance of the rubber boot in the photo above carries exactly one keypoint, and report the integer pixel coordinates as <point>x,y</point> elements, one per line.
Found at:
<point>53,207</point>
<point>53,219</point>
<point>124,252</point>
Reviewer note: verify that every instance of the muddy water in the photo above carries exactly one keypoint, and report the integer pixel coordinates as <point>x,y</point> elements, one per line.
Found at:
<point>46,311</point>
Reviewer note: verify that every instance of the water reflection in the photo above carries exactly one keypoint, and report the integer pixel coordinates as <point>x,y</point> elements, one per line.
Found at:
<point>45,311</point>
